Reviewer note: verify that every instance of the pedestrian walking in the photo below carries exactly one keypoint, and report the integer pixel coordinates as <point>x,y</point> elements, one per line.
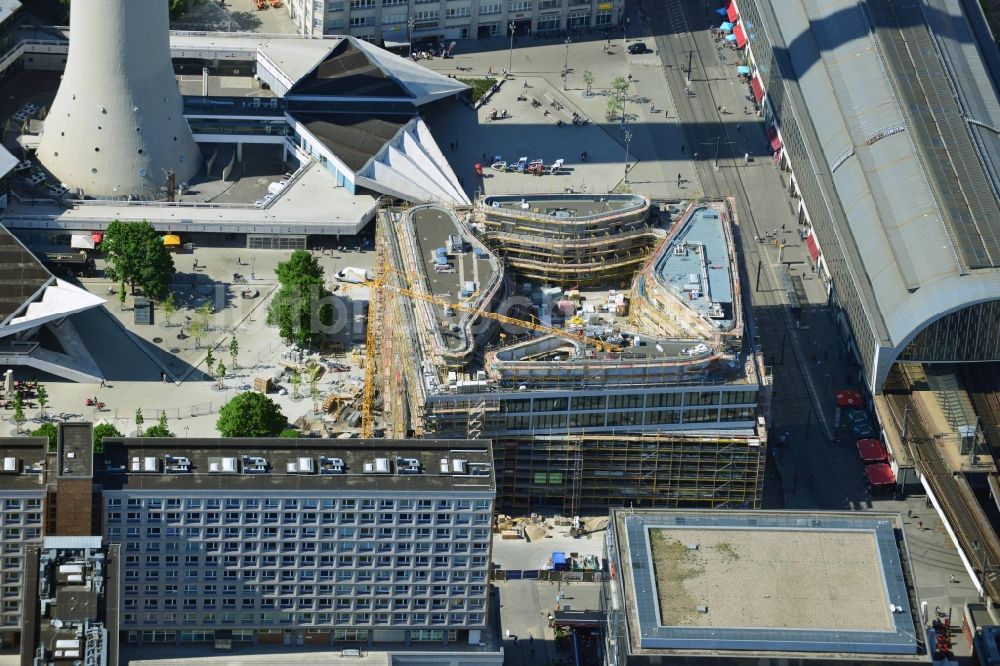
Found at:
<point>239,262</point>
<point>630,78</point>
<point>909,513</point>
<point>526,83</point>
<point>489,72</point>
<point>745,110</point>
<point>746,158</point>
<point>104,383</point>
<point>651,108</point>
<point>678,180</point>
<point>163,376</point>
<point>920,524</point>
<point>739,127</point>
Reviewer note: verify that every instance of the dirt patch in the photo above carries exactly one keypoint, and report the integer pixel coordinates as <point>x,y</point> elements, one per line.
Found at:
<point>808,579</point>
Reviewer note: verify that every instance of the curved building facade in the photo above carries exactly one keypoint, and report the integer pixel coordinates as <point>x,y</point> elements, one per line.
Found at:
<point>116,127</point>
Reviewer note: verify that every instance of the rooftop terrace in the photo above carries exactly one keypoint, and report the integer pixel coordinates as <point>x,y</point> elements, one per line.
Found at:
<point>566,207</point>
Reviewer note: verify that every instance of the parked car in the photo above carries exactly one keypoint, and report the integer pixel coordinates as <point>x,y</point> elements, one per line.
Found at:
<point>637,47</point>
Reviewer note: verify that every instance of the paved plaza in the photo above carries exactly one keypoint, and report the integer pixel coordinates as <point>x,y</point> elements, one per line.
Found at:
<point>655,156</point>
<point>131,356</point>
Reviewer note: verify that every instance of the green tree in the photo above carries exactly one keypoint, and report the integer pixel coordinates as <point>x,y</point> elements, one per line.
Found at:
<point>588,79</point>
<point>178,8</point>
<point>160,429</point>
<point>43,399</point>
<point>169,307</point>
<point>289,433</point>
<point>209,361</point>
<point>18,411</point>
<point>301,288</point>
<point>296,381</point>
<point>47,430</point>
<point>139,420</point>
<point>121,297</point>
<point>196,330</point>
<point>250,414</point>
<point>136,255</point>
<point>234,350</point>
<point>220,373</point>
<point>102,430</point>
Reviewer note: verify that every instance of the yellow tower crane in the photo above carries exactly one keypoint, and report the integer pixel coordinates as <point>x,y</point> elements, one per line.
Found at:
<point>371,341</point>
<point>379,285</point>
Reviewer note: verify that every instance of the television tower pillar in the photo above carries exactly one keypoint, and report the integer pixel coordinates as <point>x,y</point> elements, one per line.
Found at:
<point>117,124</point>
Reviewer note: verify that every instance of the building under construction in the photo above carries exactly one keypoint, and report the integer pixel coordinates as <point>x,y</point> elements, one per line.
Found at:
<point>628,383</point>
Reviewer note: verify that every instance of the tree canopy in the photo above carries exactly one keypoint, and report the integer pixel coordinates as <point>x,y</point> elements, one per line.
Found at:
<point>160,429</point>
<point>178,8</point>
<point>102,430</point>
<point>47,430</point>
<point>301,289</point>
<point>137,256</point>
<point>250,414</point>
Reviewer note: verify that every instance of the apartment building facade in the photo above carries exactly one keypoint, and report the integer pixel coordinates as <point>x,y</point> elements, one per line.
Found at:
<point>397,22</point>
<point>302,544</point>
<point>259,541</point>
<point>22,495</point>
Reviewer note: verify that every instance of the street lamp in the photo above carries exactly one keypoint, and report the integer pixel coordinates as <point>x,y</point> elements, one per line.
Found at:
<point>566,66</point>
<point>409,36</point>
<point>510,58</point>
<point>628,138</point>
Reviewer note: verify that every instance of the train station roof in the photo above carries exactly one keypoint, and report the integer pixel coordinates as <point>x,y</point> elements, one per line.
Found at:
<point>905,110</point>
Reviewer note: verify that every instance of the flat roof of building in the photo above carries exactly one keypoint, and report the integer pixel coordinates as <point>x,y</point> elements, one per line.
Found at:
<point>822,582</point>
<point>432,227</point>
<point>19,455</point>
<point>21,274</point>
<point>696,266</point>
<point>564,205</point>
<point>262,465</point>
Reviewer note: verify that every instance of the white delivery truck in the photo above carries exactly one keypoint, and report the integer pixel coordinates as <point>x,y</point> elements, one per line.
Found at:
<point>354,275</point>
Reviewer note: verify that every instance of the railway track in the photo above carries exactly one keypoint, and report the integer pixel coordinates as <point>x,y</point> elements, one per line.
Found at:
<point>982,381</point>
<point>976,536</point>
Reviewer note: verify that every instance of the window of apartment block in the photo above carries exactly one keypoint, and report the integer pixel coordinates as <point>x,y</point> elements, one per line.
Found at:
<point>458,12</point>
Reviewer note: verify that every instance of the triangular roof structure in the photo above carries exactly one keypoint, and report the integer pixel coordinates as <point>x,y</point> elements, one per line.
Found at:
<point>356,69</point>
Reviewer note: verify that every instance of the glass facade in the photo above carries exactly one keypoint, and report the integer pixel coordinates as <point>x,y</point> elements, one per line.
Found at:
<point>970,334</point>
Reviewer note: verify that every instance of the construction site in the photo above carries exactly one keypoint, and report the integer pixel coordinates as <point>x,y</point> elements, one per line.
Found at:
<point>534,321</point>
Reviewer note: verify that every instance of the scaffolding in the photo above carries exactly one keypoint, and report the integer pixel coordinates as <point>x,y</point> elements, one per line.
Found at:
<point>664,469</point>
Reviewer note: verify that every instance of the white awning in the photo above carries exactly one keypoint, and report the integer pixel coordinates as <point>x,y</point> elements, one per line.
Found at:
<point>395,37</point>
<point>82,241</point>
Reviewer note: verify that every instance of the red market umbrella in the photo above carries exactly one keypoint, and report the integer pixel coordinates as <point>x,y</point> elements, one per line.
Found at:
<point>880,475</point>
<point>848,398</point>
<point>872,451</point>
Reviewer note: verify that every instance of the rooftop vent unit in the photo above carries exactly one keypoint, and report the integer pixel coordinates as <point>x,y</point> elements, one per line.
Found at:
<point>380,466</point>
<point>681,250</point>
<point>328,465</point>
<point>459,466</point>
<point>445,466</point>
<point>301,466</point>
<point>11,465</point>
<point>177,464</point>
<point>716,311</point>
<point>479,469</point>
<point>114,469</point>
<point>254,465</point>
<point>147,464</point>
<point>223,465</point>
<point>229,466</point>
<point>407,466</point>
